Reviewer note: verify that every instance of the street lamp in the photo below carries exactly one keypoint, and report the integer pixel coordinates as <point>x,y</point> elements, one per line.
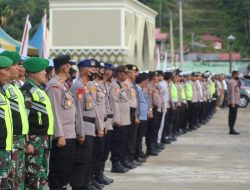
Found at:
<point>230,39</point>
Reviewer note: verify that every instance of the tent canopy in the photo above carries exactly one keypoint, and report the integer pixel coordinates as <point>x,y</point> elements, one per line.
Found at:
<point>9,43</point>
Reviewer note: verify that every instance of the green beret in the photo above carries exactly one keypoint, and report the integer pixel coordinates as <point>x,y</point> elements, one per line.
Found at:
<point>5,62</point>
<point>35,64</point>
<point>13,55</point>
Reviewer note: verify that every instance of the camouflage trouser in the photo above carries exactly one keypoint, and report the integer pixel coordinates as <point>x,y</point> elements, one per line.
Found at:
<point>37,163</point>
<point>4,168</point>
<point>17,167</point>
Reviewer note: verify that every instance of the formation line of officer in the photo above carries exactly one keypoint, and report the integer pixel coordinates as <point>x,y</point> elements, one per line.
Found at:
<point>60,134</point>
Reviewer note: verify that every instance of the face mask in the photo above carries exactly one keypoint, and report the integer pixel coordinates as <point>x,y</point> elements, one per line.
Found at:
<point>92,76</point>
<point>236,78</point>
<point>101,75</point>
<point>73,77</point>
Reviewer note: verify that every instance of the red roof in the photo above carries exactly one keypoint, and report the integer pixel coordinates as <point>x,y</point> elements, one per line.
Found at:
<point>209,37</point>
<point>160,36</point>
<point>225,56</point>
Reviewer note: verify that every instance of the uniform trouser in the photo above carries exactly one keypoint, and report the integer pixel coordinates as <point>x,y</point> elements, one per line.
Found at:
<point>17,171</point>
<point>232,116</point>
<point>132,136</point>
<point>107,147</point>
<point>177,120</point>
<point>183,116</point>
<point>5,160</point>
<point>82,163</point>
<point>149,133</point>
<point>174,115</point>
<point>97,160</point>
<point>199,112</point>
<point>142,129</point>
<point>202,111</point>
<point>225,99</point>
<point>61,164</point>
<point>37,163</point>
<point>156,124</point>
<point>189,114</point>
<point>168,125</point>
<point>194,113</point>
<point>118,143</point>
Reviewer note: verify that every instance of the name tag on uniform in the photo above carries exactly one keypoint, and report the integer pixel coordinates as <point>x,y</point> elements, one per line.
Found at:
<point>41,97</point>
<point>12,93</point>
<point>89,105</point>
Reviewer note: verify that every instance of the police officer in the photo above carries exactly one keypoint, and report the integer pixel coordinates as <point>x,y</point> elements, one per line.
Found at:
<point>20,123</point>
<point>5,124</point>
<point>233,102</point>
<point>154,119</point>
<point>189,93</point>
<point>64,111</point>
<point>41,123</point>
<point>194,107</point>
<point>133,104</point>
<point>103,179</point>
<point>101,119</point>
<point>141,83</point>
<point>121,121</point>
<point>84,96</point>
<point>168,118</point>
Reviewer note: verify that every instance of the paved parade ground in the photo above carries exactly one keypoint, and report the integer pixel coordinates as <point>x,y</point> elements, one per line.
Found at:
<point>207,159</point>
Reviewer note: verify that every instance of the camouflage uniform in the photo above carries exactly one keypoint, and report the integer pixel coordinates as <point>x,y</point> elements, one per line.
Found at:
<point>37,163</point>
<point>41,125</point>
<point>17,167</point>
<point>4,168</point>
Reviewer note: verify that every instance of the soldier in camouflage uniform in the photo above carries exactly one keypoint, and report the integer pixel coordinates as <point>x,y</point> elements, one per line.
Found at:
<point>5,124</point>
<point>41,122</point>
<point>20,124</point>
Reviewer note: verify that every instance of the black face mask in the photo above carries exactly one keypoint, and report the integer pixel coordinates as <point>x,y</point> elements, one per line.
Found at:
<point>236,78</point>
<point>101,76</point>
<point>92,76</point>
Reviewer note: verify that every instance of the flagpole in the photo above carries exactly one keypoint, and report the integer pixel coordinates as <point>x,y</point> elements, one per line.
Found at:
<point>24,44</point>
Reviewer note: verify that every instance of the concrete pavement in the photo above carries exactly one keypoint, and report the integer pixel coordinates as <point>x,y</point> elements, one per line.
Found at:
<point>206,159</point>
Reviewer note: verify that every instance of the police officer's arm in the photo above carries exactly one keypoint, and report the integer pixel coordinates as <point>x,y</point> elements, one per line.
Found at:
<point>232,92</point>
<point>78,94</point>
<point>114,103</point>
<point>55,94</point>
<point>27,97</point>
<point>150,102</point>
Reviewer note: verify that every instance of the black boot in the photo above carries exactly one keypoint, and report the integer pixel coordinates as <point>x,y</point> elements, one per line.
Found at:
<point>127,164</point>
<point>233,132</point>
<point>100,179</point>
<point>97,185</point>
<point>118,168</point>
<point>152,152</point>
<point>108,179</point>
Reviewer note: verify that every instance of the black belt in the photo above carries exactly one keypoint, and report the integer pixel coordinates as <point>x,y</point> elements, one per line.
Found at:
<point>110,116</point>
<point>89,119</point>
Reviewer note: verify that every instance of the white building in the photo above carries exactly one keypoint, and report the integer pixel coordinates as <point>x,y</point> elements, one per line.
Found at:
<point>115,31</point>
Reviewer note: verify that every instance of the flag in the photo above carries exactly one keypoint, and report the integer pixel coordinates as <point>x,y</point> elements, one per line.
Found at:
<point>165,62</point>
<point>45,46</point>
<point>158,54</point>
<point>25,39</point>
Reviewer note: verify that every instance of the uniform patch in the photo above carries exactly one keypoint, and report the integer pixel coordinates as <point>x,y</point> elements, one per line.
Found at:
<point>117,89</point>
<point>93,89</point>
<point>79,93</point>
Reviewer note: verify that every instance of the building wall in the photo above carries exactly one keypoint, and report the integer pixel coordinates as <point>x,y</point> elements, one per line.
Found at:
<point>116,31</point>
<point>86,28</point>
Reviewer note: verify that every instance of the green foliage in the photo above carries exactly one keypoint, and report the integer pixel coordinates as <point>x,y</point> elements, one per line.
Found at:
<point>216,17</point>
<point>13,14</point>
